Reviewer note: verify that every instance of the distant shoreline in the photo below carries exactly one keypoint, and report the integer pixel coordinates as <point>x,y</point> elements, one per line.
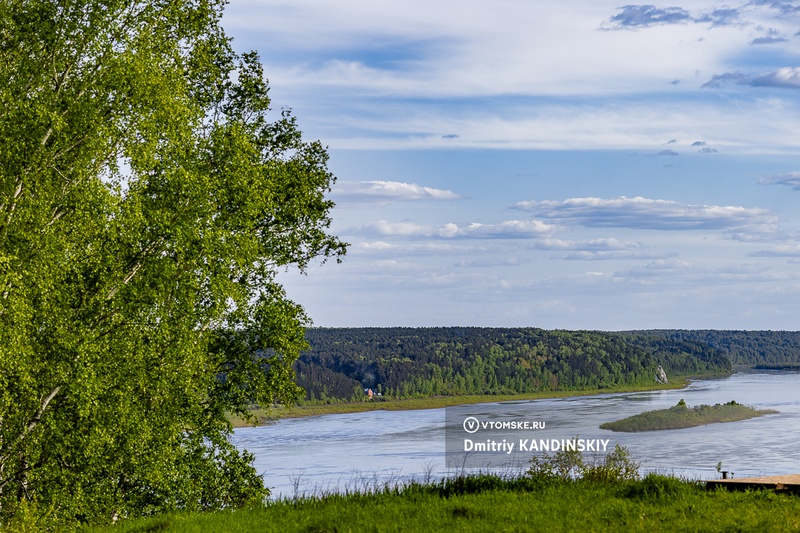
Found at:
<point>264,416</point>
<point>778,366</point>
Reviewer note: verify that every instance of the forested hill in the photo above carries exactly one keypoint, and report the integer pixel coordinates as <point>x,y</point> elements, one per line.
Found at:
<point>742,347</point>
<point>407,362</point>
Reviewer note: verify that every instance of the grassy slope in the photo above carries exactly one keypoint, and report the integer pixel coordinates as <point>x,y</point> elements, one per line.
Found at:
<point>652,504</point>
<point>681,416</point>
<point>264,416</point>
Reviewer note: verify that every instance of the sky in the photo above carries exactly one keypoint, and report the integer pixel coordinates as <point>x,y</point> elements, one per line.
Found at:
<point>580,164</point>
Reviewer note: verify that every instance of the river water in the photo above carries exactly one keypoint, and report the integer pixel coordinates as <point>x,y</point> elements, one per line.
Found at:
<point>364,451</point>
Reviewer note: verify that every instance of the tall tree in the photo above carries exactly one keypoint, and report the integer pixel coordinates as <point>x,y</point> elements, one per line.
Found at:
<point>148,196</point>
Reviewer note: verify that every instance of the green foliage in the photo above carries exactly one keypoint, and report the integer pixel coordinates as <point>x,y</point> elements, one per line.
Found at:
<point>424,362</point>
<point>490,503</point>
<point>776,350</point>
<point>147,200</point>
<point>569,464</point>
<point>657,487</point>
<point>617,465</point>
<point>564,465</point>
<point>682,416</point>
<point>460,485</point>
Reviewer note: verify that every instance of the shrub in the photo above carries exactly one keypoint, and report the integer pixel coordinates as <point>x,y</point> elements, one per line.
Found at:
<point>656,486</point>
<point>618,465</point>
<point>565,465</point>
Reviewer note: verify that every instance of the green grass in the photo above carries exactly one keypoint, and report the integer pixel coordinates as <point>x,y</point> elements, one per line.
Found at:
<point>264,416</point>
<point>681,416</point>
<point>492,504</point>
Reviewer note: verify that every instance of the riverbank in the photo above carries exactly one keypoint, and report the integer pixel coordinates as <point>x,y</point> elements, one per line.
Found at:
<point>266,416</point>
<point>655,503</point>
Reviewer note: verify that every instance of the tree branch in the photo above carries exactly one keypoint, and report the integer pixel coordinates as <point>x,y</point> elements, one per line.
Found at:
<point>134,269</point>
<point>12,477</point>
<point>38,416</point>
<point>32,423</point>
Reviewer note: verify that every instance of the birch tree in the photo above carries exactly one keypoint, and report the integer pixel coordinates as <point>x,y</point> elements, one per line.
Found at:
<point>148,197</point>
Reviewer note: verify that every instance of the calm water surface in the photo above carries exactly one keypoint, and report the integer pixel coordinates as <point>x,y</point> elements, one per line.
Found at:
<point>366,450</point>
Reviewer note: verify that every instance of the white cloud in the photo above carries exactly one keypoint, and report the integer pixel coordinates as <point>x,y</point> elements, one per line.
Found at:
<point>374,246</point>
<point>786,250</point>
<point>658,268</point>
<point>442,80</point>
<point>395,229</point>
<point>646,213</point>
<point>382,191</point>
<point>767,126</point>
<point>427,248</point>
<point>790,179</point>
<point>786,77</point>
<point>508,229</point>
<point>600,249</point>
<point>550,48</point>
<point>604,255</point>
<point>642,16</point>
<point>676,272</point>
<point>493,261</point>
<point>424,74</point>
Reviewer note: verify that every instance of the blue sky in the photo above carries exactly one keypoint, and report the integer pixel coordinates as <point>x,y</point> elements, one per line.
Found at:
<point>580,164</point>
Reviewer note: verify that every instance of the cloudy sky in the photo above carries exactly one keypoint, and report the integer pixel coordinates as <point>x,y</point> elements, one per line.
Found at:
<point>580,164</point>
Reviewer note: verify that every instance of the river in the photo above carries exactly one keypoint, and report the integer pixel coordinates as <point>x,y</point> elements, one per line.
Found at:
<point>365,451</point>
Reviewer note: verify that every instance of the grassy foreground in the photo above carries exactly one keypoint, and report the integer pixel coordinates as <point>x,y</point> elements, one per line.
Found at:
<point>264,416</point>
<point>682,416</point>
<point>492,504</point>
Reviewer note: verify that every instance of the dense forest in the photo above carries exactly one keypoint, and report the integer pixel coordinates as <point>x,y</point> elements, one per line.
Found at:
<point>409,362</point>
<point>748,348</point>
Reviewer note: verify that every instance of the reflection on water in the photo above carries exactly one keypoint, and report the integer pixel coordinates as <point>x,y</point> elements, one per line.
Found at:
<point>366,450</point>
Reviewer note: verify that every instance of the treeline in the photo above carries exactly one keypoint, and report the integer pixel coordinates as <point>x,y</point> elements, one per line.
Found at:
<point>412,362</point>
<point>750,348</point>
